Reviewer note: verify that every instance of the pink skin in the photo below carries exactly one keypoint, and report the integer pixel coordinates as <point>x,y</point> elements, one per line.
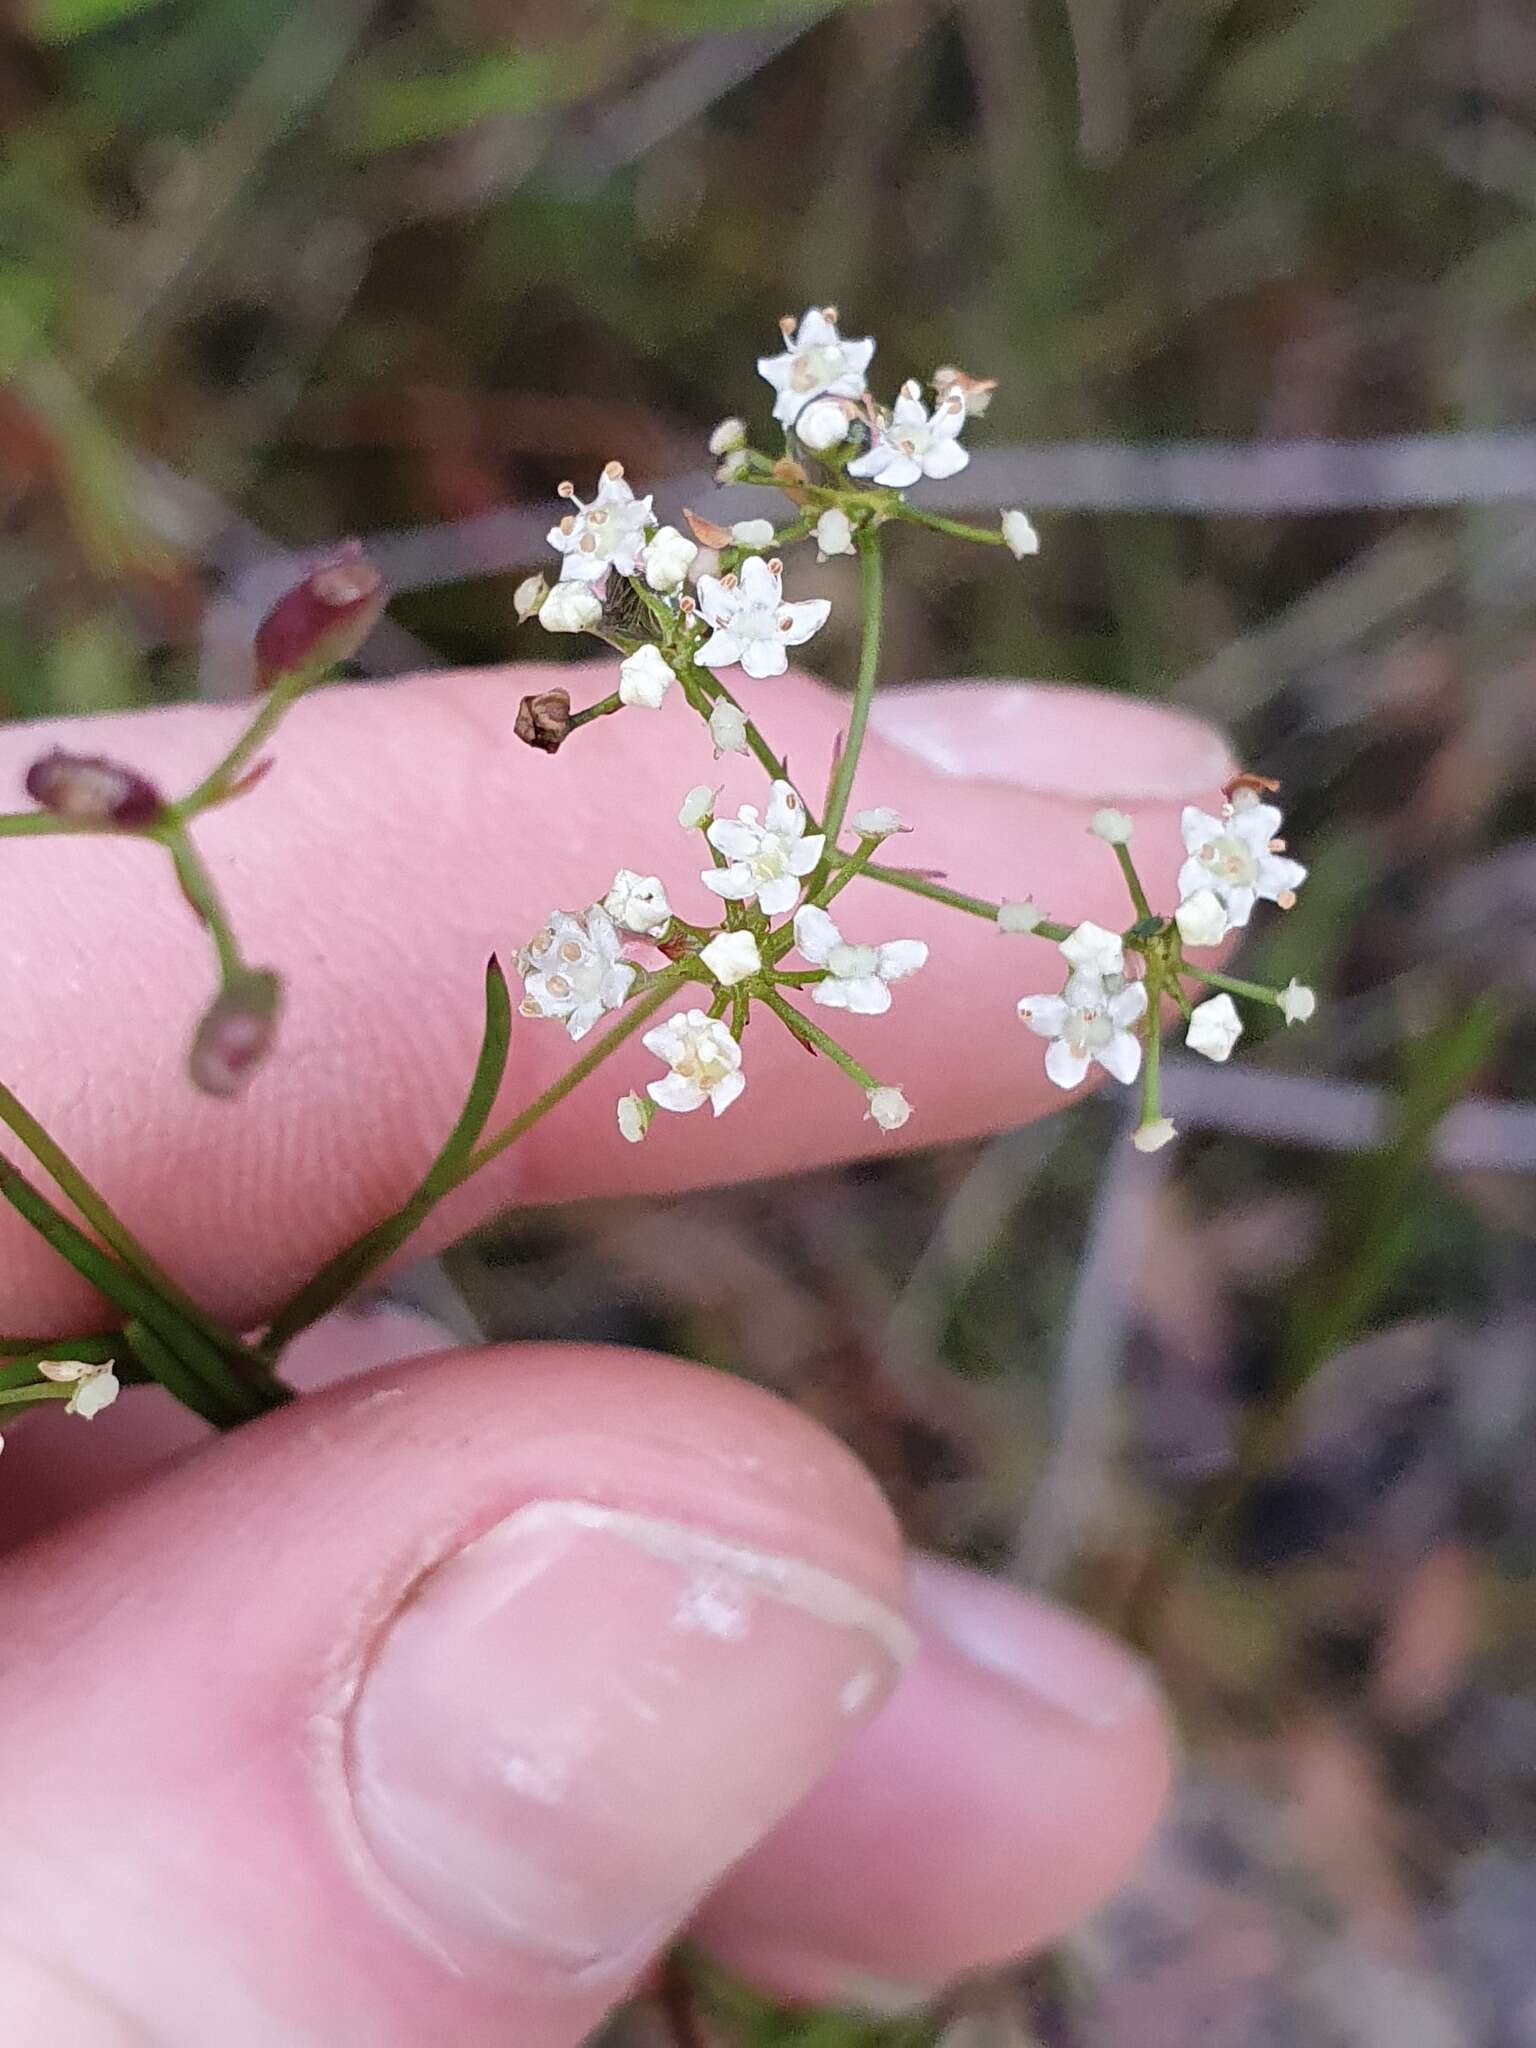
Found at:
<point>295,1756</point>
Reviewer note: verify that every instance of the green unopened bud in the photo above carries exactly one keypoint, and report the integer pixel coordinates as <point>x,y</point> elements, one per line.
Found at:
<point>236,1033</point>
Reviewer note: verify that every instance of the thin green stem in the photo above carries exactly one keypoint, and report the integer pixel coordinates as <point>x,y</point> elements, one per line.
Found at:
<point>812,1034</point>
<point>278,701</point>
<point>841,788</point>
<point>1152,1068</point>
<point>603,708</point>
<point>1133,881</point>
<point>1254,990</point>
<point>989,536</point>
<point>45,825</point>
<point>28,1397</point>
<point>198,887</point>
<point>956,899</point>
<point>854,866</point>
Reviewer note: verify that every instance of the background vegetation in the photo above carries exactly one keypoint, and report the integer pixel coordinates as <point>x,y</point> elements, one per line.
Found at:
<point>273,272</point>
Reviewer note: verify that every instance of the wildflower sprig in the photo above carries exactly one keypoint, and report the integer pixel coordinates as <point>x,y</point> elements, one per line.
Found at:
<point>705,615</point>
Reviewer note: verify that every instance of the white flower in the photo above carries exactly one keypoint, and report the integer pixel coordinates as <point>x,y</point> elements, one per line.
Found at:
<point>697,805</point>
<point>573,970</point>
<point>638,903</point>
<point>96,1386</point>
<point>607,534</point>
<point>705,1062</point>
<point>878,823</point>
<point>644,678</point>
<point>825,423</point>
<point>1202,919</point>
<point>976,391</point>
<point>816,362</point>
<point>1214,1028</point>
<point>857,976</point>
<point>635,1115</point>
<point>529,596</point>
<point>730,435</point>
<point>752,623</point>
<point>888,1107</point>
<point>1154,1136</point>
<point>669,555</point>
<point>1112,826</point>
<point>1092,950</point>
<point>732,957</point>
<point>1238,856</point>
<point>1089,1021</point>
<point>570,608</point>
<point>1019,917</point>
<point>914,443</point>
<point>767,860</point>
<point>728,729</point>
<point>753,533</point>
<point>1297,1002</point>
<point>1020,535</point>
<point>834,534</point>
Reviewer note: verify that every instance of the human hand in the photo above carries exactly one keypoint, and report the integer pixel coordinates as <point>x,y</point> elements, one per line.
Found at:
<point>431,1707</point>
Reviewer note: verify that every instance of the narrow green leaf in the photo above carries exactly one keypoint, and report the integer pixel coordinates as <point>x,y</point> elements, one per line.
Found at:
<point>163,1364</point>
<point>351,1266</point>
<point>60,21</point>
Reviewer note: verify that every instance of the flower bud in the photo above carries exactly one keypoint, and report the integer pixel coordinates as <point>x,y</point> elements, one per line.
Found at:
<point>878,823</point>
<point>529,596</point>
<point>1202,919</point>
<point>93,790</point>
<point>1297,1002</point>
<point>732,957</point>
<point>570,608</point>
<point>730,435</point>
<point>735,466</point>
<point>975,393</point>
<point>644,678</point>
<point>635,1115</point>
<point>834,533</point>
<point>698,807</point>
<point>1018,917</point>
<point>544,719</point>
<point>822,424</point>
<point>667,560</point>
<point>728,729</point>
<point>1112,826</point>
<point>236,1032</point>
<point>1214,1028</point>
<point>1020,535</point>
<point>888,1107</point>
<point>753,533</point>
<point>322,620</point>
<point>1154,1136</point>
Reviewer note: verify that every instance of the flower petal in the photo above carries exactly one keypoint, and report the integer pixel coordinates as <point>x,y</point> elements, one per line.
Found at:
<point>673,1092</point>
<point>778,895</point>
<point>761,658</point>
<point>901,957</point>
<point>1121,1057</point>
<point>1128,1005</point>
<point>945,458</point>
<point>725,1092</point>
<point>806,617</point>
<point>868,996</point>
<point>720,650</point>
<point>816,934</point>
<point>1045,1015</point>
<point>759,585</point>
<point>1064,1066</point>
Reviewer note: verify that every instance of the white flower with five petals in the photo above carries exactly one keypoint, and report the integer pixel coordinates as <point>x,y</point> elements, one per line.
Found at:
<point>914,443</point>
<point>752,623</point>
<point>858,977</point>
<point>705,1062</point>
<point>1239,857</point>
<point>1089,1021</point>
<point>767,860</point>
<point>574,970</point>
<point>607,534</point>
<point>816,362</point>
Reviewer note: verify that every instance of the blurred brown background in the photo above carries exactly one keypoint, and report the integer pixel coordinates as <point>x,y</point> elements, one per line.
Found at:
<point>1258,280</point>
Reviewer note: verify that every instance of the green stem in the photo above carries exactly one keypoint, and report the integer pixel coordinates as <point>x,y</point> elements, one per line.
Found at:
<point>197,883</point>
<point>603,708</point>
<point>1133,882</point>
<point>1254,990</point>
<point>43,824</point>
<point>864,688</point>
<point>956,899</point>
<point>812,1034</point>
<point>28,1397</point>
<point>278,701</point>
<point>989,536</point>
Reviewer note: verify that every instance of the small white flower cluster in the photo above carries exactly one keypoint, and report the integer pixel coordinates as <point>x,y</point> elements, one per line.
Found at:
<point>1234,861</point>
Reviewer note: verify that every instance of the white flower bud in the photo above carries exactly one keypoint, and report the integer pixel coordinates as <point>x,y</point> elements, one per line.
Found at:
<point>635,1115</point>
<point>570,608</point>
<point>528,597</point>
<point>730,435</point>
<point>1154,1136</point>
<point>1112,826</point>
<point>1297,1002</point>
<point>638,903</point>
<point>821,425</point>
<point>1018,917</point>
<point>734,468</point>
<point>888,1107</point>
<point>698,806</point>
<point>668,557</point>
<point>1020,534</point>
<point>834,533</point>
<point>753,533</point>
<point>879,823</point>
<point>1202,919</point>
<point>1214,1028</point>
<point>732,957</point>
<point>644,678</point>
<point>1093,950</point>
<point>728,729</point>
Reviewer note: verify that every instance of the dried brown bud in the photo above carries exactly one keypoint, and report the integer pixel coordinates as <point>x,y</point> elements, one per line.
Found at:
<point>544,719</point>
<point>787,471</point>
<point>92,789</point>
<point>323,619</point>
<point>707,532</point>
<point>236,1032</point>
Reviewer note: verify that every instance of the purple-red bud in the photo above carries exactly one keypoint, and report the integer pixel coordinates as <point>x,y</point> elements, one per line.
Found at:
<point>93,790</point>
<point>544,719</point>
<point>322,620</point>
<point>236,1032</point>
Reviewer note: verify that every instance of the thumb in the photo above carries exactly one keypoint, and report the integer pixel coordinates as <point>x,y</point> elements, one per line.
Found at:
<point>428,1710</point>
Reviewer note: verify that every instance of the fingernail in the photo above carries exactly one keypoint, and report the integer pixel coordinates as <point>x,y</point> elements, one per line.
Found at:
<point>1057,1661</point>
<point>579,1722</point>
<point>1062,742</point>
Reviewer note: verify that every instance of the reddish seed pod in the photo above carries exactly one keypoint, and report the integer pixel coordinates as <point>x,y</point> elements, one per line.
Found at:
<point>93,790</point>
<point>323,619</point>
<point>236,1032</point>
